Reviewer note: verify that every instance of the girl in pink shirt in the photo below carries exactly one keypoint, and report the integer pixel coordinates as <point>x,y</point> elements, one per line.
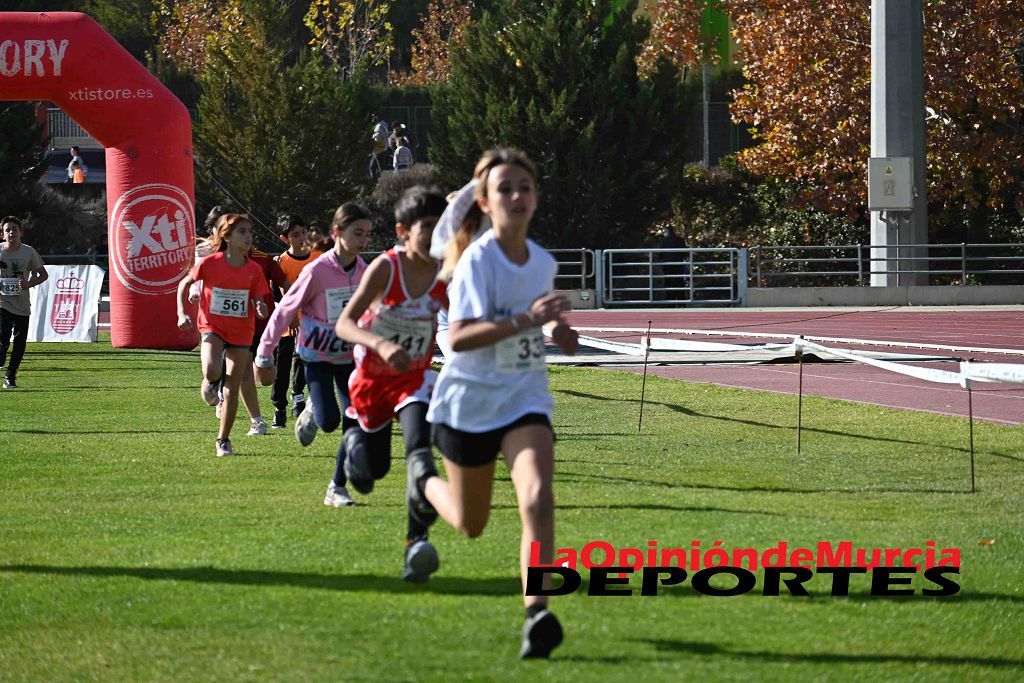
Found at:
<point>320,294</point>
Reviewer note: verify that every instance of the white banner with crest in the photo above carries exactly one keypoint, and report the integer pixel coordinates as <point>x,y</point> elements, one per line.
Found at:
<point>65,308</point>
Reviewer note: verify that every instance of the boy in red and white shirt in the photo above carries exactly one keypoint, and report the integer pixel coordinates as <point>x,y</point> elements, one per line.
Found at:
<point>392,317</point>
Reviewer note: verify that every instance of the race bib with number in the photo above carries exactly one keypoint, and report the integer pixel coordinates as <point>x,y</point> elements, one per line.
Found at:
<point>523,352</point>
<point>233,303</point>
<point>10,286</point>
<point>412,334</point>
<point>337,299</point>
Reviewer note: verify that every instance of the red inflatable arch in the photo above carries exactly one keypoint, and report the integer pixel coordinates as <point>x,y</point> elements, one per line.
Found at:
<point>67,58</point>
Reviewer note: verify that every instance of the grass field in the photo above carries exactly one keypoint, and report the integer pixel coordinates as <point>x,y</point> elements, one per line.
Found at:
<point>128,552</point>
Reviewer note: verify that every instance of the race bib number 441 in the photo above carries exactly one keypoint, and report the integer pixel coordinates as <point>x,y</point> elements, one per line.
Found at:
<point>412,334</point>
<point>523,352</point>
<point>233,303</point>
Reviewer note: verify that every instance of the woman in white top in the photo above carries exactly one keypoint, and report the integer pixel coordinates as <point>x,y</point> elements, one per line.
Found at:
<point>492,395</point>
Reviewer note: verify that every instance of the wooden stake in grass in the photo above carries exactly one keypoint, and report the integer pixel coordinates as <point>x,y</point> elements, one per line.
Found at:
<point>970,422</point>
<point>798,351</point>
<point>643,386</point>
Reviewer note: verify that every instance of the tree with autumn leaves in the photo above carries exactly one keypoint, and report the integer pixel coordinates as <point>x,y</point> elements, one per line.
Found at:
<point>443,26</point>
<point>808,101</point>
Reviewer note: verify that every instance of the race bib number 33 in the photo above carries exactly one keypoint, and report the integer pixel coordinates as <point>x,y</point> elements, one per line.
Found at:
<point>523,352</point>
<point>233,303</point>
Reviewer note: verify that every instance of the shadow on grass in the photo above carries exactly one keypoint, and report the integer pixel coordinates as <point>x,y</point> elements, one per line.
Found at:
<point>583,477</point>
<point>662,508</point>
<point>172,356</point>
<point>80,432</point>
<point>120,369</point>
<point>689,412</point>
<point>683,647</point>
<point>359,583</point>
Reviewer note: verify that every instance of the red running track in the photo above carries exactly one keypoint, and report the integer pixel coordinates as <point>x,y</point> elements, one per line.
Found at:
<point>989,327</point>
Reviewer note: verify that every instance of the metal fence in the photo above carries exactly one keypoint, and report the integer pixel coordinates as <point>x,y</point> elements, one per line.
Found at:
<point>854,264</point>
<point>577,268</point>
<point>683,277</point>
<point>670,276</point>
<point>63,126</point>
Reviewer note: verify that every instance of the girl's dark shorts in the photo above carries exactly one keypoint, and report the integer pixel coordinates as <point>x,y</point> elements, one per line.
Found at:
<point>207,335</point>
<point>474,449</point>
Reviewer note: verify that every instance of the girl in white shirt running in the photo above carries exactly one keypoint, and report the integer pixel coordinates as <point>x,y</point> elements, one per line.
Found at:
<point>492,396</point>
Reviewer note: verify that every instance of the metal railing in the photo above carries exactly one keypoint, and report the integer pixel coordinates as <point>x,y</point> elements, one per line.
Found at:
<point>577,268</point>
<point>670,276</point>
<point>64,131</point>
<point>854,264</point>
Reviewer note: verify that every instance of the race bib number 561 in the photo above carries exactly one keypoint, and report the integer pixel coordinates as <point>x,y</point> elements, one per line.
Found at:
<point>233,303</point>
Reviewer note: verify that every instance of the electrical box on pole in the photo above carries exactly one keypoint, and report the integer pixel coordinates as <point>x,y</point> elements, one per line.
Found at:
<point>891,184</point>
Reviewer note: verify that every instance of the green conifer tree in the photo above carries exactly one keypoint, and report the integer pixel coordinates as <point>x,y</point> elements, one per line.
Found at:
<point>558,79</point>
<point>21,155</point>
<point>279,138</point>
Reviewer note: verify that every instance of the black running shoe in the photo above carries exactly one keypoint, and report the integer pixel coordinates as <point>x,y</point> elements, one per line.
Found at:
<point>280,419</point>
<point>541,634</point>
<point>357,465</point>
<point>421,561</point>
<point>420,465</point>
<point>9,383</point>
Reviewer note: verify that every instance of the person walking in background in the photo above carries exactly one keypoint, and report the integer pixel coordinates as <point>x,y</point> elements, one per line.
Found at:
<point>403,156</point>
<point>381,145</point>
<point>76,156</point>
<point>21,268</point>
<point>77,174</point>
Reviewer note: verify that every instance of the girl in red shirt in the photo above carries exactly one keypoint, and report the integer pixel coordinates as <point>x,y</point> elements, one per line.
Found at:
<point>230,302</point>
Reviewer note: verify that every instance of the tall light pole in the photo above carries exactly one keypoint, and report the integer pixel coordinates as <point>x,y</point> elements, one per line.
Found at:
<point>897,130</point>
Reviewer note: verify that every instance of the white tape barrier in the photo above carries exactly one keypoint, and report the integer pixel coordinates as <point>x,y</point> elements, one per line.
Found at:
<point>658,344</point>
<point>928,374</point>
<point>606,345</point>
<point>788,335</point>
<point>1006,373</point>
<point>969,371</point>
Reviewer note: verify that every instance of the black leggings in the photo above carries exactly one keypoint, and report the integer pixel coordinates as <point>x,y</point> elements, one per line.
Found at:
<point>18,326</point>
<point>415,429</point>
<point>286,360</point>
